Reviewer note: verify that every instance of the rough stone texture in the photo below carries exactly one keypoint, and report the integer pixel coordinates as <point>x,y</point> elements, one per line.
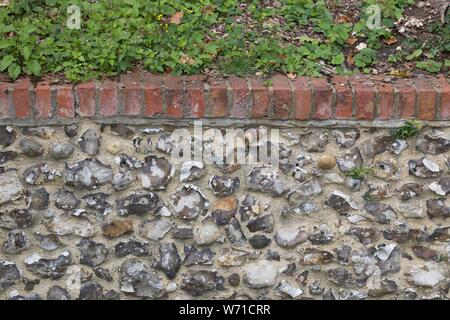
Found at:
<point>93,223</point>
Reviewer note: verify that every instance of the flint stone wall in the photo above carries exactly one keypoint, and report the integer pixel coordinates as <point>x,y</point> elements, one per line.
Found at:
<point>98,211</point>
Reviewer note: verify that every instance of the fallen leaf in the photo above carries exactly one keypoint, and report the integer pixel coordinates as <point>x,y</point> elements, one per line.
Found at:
<point>351,41</point>
<point>350,60</point>
<point>208,9</point>
<point>291,75</point>
<point>176,18</point>
<point>342,19</point>
<point>185,59</point>
<point>390,41</point>
<point>399,73</point>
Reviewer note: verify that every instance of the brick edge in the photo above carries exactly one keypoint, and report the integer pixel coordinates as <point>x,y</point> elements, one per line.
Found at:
<point>145,95</point>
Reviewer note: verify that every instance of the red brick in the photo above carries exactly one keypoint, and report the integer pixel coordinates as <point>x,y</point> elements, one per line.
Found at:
<point>65,102</point>
<point>386,101</point>
<point>261,99</point>
<point>407,99</point>
<point>344,97</point>
<point>107,98</point>
<point>323,94</point>
<point>426,95</point>
<point>364,101</point>
<point>86,98</point>
<point>195,97</point>
<point>218,98</point>
<point>153,97</point>
<point>241,97</point>
<point>303,99</point>
<point>43,102</point>
<point>444,87</point>
<point>282,97</point>
<point>174,96</point>
<point>21,98</point>
<point>4,100</point>
<point>131,93</point>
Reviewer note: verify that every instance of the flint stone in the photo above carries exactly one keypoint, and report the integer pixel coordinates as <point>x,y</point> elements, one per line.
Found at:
<point>9,274</point>
<point>188,202</point>
<point>66,200</point>
<point>423,168</point>
<point>139,203</point>
<point>139,280</point>
<point>7,136</point>
<point>132,247</point>
<point>260,274</point>
<point>48,242</point>
<point>441,187</point>
<point>156,229</point>
<point>193,256</point>
<point>266,179</point>
<point>156,173</point>
<point>263,223</point>
<point>58,293</point>
<point>290,237</point>
<point>16,218</point>
<point>197,283</point>
<point>170,261</point>
<point>191,170</point>
<point>38,199</point>
<point>49,268</point>
<point>433,142</point>
<point>381,212</point>
<point>91,253</point>
<point>60,151</point>
<point>31,147</point>
<point>89,174</point>
<point>10,187</point>
<point>89,142</point>
<point>223,186</point>
<point>16,241</point>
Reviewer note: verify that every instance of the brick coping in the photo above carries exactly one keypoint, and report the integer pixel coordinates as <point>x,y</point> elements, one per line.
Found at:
<point>142,95</point>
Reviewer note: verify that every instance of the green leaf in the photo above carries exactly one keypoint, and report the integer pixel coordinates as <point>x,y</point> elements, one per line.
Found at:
<point>26,52</point>
<point>431,66</point>
<point>338,59</point>
<point>5,43</point>
<point>14,70</point>
<point>414,55</point>
<point>447,63</point>
<point>34,67</point>
<point>6,61</point>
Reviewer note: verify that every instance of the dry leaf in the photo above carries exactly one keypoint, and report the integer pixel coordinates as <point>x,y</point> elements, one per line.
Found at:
<point>291,75</point>
<point>185,59</point>
<point>351,41</point>
<point>208,9</point>
<point>4,3</point>
<point>342,19</point>
<point>176,18</point>
<point>399,73</point>
<point>350,60</point>
<point>390,41</point>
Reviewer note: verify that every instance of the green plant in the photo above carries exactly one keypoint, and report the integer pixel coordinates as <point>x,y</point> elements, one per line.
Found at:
<point>409,129</point>
<point>359,172</point>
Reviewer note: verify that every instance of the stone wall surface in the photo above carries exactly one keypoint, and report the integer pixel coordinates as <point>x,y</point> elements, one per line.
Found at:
<point>101,211</point>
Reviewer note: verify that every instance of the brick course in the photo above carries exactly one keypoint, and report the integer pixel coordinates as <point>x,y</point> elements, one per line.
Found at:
<point>147,95</point>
